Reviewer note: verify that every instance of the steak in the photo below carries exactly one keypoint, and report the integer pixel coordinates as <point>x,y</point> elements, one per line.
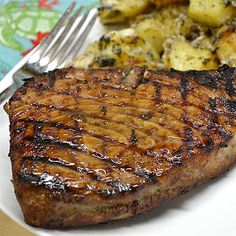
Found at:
<point>91,146</point>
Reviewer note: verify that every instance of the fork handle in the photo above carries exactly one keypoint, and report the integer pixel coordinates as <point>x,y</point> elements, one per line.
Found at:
<point>7,92</point>
<point>21,75</point>
<point>18,81</point>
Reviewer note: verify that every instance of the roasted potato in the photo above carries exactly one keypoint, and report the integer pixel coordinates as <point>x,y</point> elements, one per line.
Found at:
<point>180,37</point>
<point>170,21</point>
<point>226,46</point>
<point>168,2</point>
<point>119,48</point>
<point>114,11</point>
<point>158,26</point>
<point>153,32</point>
<point>182,55</point>
<point>211,12</point>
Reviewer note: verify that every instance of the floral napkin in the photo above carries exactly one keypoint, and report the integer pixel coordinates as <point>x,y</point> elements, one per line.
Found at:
<point>24,23</point>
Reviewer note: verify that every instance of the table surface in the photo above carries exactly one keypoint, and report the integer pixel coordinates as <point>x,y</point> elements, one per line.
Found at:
<point>8,227</point>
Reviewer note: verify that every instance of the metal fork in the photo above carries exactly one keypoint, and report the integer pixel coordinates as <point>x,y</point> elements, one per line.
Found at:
<point>62,44</point>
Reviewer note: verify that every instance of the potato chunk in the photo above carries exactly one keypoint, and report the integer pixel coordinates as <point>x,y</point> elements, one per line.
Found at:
<point>226,46</point>
<point>211,12</point>
<point>181,55</point>
<point>167,22</point>
<point>113,11</point>
<point>167,2</point>
<point>154,33</point>
<point>119,48</point>
<point>156,28</point>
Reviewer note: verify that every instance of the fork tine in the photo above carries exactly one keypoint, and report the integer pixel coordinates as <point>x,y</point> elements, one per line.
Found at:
<point>84,35</point>
<point>65,50</point>
<point>53,51</point>
<point>45,43</point>
<point>78,42</point>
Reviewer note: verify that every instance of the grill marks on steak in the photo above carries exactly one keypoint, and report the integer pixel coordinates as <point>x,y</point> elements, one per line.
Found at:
<point>105,132</point>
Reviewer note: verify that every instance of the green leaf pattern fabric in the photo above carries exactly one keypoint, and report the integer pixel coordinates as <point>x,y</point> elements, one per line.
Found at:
<point>23,24</point>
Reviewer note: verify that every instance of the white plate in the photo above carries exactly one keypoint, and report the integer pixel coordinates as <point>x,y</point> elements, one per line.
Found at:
<point>208,210</point>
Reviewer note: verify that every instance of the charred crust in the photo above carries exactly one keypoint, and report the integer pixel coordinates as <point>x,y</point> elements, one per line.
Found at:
<point>101,80</point>
<point>51,161</point>
<point>178,158</point>
<point>204,78</point>
<point>133,138</point>
<point>212,79</point>
<point>158,92</point>
<point>230,105</point>
<point>223,145</point>
<point>103,109</point>
<point>209,142</point>
<point>38,129</point>
<point>228,75</point>
<point>120,186</point>
<point>51,79</point>
<point>43,180</point>
<point>188,135</point>
<point>212,103</point>
<point>225,135</point>
<point>184,87</point>
<point>152,177</point>
<point>146,116</point>
<point>107,192</point>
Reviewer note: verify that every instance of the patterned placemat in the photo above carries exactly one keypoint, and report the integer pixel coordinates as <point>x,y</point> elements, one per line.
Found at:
<point>23,24</point>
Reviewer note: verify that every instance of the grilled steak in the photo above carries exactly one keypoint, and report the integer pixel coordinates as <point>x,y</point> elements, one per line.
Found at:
<point>90,146</point>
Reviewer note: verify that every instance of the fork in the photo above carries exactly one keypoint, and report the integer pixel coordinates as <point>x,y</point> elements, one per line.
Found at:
<point>62,44</point>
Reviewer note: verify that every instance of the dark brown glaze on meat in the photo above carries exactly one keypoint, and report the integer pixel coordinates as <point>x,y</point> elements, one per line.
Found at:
<point>89,146</point>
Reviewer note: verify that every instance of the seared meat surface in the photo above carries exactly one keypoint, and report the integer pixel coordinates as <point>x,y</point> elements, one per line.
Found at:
<point>90,146</point>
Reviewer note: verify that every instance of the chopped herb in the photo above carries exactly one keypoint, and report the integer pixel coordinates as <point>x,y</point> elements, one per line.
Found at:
<point>205,61</point>
<point>104,40</point>
<point>133,138</point>
<point>126,73</point>
<point>143,80</point>
<point>193,33</point>
<point>116,49</point>
<point>150,55</point>
<point>230,2</point>
<point>209,32</point>
<point>103,61</point>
